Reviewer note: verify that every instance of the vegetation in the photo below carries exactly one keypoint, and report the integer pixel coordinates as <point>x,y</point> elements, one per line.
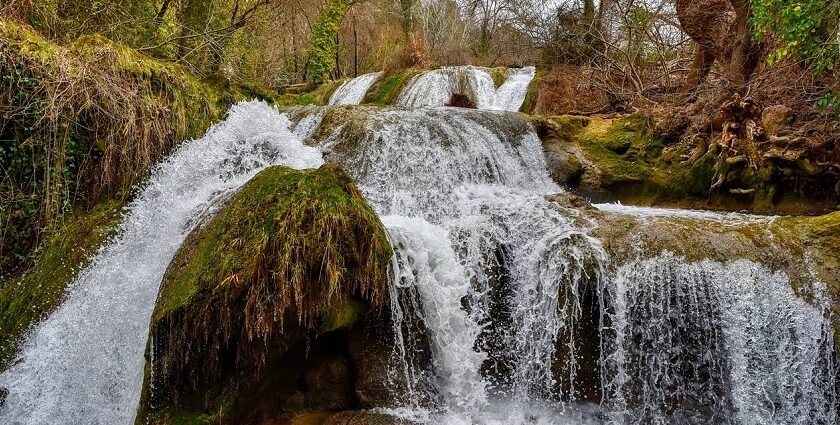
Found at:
<point>82,123</point>
<point>624,159</point>
<point>293,253</point>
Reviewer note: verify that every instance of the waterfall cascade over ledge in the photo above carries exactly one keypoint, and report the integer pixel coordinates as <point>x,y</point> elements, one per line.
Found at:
<point>501,280</point>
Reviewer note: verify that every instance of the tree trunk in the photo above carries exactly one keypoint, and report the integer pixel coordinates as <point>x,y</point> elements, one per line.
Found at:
<point>700,68</point>
<point>743,61</point>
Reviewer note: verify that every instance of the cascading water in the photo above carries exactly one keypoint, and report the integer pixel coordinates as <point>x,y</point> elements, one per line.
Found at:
<point>498,278</point>
<point>463,192</point>
<point>84,364</point>
<point>437,87</point>
<point>511,94</point>
<point>681,342</point>
<point>354,91</point>
<point>731,342</point>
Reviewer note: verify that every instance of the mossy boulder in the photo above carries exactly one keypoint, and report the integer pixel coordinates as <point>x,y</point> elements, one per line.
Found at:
<point>609,159</point>
<point>386,90</point>
<point>253,313</point>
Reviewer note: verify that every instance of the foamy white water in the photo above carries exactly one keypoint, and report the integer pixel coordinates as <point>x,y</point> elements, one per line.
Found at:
<point>437,87</point>
<point>511,95</point>
<point>486,269</point>
<point>84,364</point>
<point>462,192</point>
<point>353,92</point>
<point>731,339</point>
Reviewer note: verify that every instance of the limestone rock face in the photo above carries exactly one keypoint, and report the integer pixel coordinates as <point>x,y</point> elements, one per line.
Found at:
<point>253,314</point>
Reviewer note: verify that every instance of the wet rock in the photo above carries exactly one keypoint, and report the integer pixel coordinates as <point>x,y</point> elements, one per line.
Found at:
<point>370,346</point>
<point>253,312</point>
<point>329,382</point>
<point>775,118</point>
<point>363,418</point>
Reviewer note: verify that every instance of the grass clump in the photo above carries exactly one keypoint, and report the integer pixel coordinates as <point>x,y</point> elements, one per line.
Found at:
<point>294,253</point>
<point>26,299</point>
<point>387,89</point>
<point>499,75</point>
<point>83,123</point>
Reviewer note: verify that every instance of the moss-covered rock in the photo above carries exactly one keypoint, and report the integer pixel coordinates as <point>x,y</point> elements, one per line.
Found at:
<point>386,90</point>
<point>295,255</point>
<point>83,123</point>
<point>24,300</point>
<point>622,159</point>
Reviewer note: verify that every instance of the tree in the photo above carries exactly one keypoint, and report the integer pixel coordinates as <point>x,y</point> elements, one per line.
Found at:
<point>323,45</point>
<point>731,31</point>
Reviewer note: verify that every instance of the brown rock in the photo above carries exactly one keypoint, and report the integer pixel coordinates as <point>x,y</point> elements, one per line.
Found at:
<point>775,118</point>
<point>371,354</point>
<point>329,383</point>
<point>362,418</point>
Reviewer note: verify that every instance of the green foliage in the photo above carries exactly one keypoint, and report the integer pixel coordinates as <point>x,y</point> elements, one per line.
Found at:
<point>806,30</point>
<point>83,123</point>
<point>386,90</point>
<point>830,101</point>
<point>323,45</point>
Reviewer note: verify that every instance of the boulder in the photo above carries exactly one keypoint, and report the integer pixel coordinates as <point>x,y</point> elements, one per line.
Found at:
<point>253,313</point>
<point>775,118</point>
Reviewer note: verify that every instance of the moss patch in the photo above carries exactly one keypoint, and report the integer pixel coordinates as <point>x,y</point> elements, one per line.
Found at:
<point>499,75</point>
<point>387,89</point>
<point>623,160</point>
<point>83,123</point>
<point>26,300</point>
<point>294,253</point>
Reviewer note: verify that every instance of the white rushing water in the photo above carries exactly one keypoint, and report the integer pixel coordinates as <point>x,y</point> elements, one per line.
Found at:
<point>462,192</point>
<point>353,92</point>
<point>84,364</point>
<point>437,87</point>
<point>491,279</point>
<point>731,340</point>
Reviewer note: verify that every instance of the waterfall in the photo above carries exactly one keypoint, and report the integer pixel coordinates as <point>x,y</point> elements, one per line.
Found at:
<point>463,193</point>
<point>505,285</point>
<point>511,95</point>
<point>353,92</point>
<point>437,87</point>
<point>732,341</point>
<point>84,364</point>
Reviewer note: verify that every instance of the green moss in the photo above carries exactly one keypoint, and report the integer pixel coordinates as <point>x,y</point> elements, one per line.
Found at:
<point>343,315</point>
<point>26,300</point>
<point>530,103</point>
<point>387,89</point>
<point>85,123</point>
<point>294,253</point>
<point>499,75</point>
<point>320,95</point>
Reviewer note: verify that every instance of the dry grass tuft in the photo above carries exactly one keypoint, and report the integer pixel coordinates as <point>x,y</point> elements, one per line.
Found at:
<point>81,123</point>
<point>283,257</point>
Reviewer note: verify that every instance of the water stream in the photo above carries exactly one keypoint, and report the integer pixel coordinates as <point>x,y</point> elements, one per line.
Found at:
<point>84,364</point>
<point>501,279</point>
<point>353,92</point>
<point>437,87</point>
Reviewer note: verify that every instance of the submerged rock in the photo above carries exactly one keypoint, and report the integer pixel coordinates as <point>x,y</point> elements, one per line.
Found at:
<point>252,317</point>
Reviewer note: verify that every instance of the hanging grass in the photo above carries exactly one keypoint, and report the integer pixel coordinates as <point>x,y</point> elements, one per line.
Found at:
<point>289,256</point>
